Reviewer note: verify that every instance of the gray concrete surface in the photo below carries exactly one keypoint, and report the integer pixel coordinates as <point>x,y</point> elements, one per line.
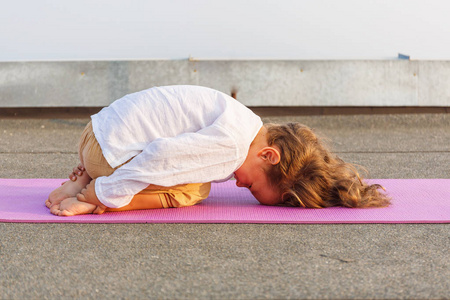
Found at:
<point>258,82</point>
<point>232,261</point>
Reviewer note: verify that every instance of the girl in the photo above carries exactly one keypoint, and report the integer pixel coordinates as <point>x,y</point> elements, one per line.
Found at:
<point>163,146</point>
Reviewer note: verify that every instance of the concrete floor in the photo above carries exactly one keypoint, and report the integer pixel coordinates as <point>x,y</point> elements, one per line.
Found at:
<point>232,261</point>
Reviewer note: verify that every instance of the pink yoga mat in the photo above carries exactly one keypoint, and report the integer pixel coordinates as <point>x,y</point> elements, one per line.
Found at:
<point>414,201</point>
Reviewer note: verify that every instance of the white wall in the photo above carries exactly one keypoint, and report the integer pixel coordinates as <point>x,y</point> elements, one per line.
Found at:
<point>223,29</point>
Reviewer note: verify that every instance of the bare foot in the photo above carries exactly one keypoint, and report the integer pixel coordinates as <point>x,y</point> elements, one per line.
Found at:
<point>71,207</point>
<point>67,189</point>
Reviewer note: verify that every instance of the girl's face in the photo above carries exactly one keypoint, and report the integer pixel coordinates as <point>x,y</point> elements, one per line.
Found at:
<point>252,176</point>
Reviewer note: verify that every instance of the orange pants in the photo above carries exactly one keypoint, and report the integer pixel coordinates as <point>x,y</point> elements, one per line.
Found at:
<point>94,162</point>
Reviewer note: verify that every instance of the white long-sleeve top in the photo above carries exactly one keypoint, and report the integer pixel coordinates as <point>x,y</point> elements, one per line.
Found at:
<point>176,134</point>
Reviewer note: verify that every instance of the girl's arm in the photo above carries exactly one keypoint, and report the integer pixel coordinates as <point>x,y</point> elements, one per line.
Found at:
<point>139,201</point>
<point>88,195</point>
<point>207,155</point>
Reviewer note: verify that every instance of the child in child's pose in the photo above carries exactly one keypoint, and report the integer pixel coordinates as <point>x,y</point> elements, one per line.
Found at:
<point>163,146</point>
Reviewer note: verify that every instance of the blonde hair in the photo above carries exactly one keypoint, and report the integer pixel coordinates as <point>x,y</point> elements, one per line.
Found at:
<point>309,175</point>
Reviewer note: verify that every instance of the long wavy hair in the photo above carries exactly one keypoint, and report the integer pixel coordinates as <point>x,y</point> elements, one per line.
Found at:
<point>309,175</point>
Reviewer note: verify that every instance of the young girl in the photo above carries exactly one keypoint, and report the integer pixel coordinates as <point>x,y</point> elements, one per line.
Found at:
<point>163,146</point>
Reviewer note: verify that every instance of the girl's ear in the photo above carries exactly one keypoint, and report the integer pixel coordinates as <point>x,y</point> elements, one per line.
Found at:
<point>270,154</point>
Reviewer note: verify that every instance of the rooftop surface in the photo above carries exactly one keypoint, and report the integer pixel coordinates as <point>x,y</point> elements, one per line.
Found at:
<point>232,261</point>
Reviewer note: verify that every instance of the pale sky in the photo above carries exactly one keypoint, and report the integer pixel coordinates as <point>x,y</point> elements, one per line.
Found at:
<point>223,29</point>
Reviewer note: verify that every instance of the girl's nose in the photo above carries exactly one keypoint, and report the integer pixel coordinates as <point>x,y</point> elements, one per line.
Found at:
<point>240,184</point>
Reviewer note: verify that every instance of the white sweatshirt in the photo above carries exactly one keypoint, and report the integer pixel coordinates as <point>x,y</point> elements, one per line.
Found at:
<point>176,134</point>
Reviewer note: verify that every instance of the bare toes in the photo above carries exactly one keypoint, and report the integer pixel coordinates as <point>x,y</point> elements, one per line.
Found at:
<point>55,209</point>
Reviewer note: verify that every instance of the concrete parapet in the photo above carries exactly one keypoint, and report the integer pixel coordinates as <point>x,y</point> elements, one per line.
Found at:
<point>258,83</point>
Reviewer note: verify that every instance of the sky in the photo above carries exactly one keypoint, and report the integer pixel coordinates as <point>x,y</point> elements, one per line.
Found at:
<point>42,30</point>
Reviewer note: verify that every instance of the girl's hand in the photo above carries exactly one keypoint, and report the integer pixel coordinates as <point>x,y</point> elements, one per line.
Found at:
<point>88,195</point>
<point>77,171</point>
